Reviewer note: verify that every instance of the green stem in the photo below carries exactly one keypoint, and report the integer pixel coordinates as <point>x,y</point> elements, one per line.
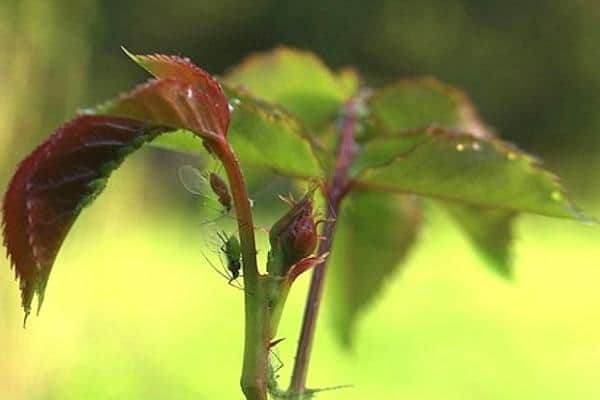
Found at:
<point>256,344</point>
<point>277,309</point>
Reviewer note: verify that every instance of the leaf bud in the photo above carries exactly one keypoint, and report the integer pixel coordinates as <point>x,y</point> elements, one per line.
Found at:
<point>294,236</point>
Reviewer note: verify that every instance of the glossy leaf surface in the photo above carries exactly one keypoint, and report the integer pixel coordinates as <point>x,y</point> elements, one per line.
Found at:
<point>373,235</point>
<point>456,167</point>
<point>170,102</point>
<point>270,137</point>
<point>182,69</point>
<point>380,152</point>
<point>53,184</point>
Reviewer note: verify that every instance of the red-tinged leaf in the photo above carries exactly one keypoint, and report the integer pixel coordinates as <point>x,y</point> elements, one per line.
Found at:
<point>169,102</point>
<point>54,183</point>
<point>182,69</point>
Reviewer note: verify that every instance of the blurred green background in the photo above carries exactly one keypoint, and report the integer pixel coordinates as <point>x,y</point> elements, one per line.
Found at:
<point>133,312</point>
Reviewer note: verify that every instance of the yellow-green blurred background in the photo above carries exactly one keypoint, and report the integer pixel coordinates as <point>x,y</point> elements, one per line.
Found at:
<point>133,311</point>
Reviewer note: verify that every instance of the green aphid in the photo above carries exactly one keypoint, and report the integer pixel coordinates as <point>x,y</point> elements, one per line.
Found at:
<point>232,251</point>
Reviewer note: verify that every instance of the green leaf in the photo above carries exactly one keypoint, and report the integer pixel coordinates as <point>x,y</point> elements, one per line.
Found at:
<point>349,79</point>
<point>267,136</point>
<point>413,104</point>
<point>457,167</point>
<point>380,152</point>
<point>490,231</point>
<point>296,80</point>
<point>373,235</point>
<point>419,103</point>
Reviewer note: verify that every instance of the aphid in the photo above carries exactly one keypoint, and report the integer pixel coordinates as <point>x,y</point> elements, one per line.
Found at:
<point>220,188</point>
<point>231,249</point>
<point>208,185</point>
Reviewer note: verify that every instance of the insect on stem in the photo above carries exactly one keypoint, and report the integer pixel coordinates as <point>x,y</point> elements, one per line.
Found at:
<point>229,248</point>
<point>212,188</point>
<point>220,188</point>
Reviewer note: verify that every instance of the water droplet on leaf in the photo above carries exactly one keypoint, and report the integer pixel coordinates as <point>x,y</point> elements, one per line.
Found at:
<point>460,147</point>
<point>556,195</point>
<point>233,103</point>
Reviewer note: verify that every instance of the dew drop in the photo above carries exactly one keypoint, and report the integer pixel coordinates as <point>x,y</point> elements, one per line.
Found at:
<point>460,147</point>
<point>233,103</point>
<point>556,195</point>
<point>476,146</point>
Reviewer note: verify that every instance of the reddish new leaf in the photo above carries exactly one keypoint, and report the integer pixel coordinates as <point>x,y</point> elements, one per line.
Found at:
<point>182,69</point>
<point>54,183</point>
<point>67,171</point>
<point>171,102</point>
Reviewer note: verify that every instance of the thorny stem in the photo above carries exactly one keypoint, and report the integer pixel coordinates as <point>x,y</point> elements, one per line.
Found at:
<point>334,193</point>
<point>256,344</point>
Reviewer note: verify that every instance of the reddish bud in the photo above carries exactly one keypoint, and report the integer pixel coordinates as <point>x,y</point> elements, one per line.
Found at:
<point>294,236</point>
<point>304,236</point>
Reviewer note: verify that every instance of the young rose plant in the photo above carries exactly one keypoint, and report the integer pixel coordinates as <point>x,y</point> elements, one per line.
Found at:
<point>371,155</point>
